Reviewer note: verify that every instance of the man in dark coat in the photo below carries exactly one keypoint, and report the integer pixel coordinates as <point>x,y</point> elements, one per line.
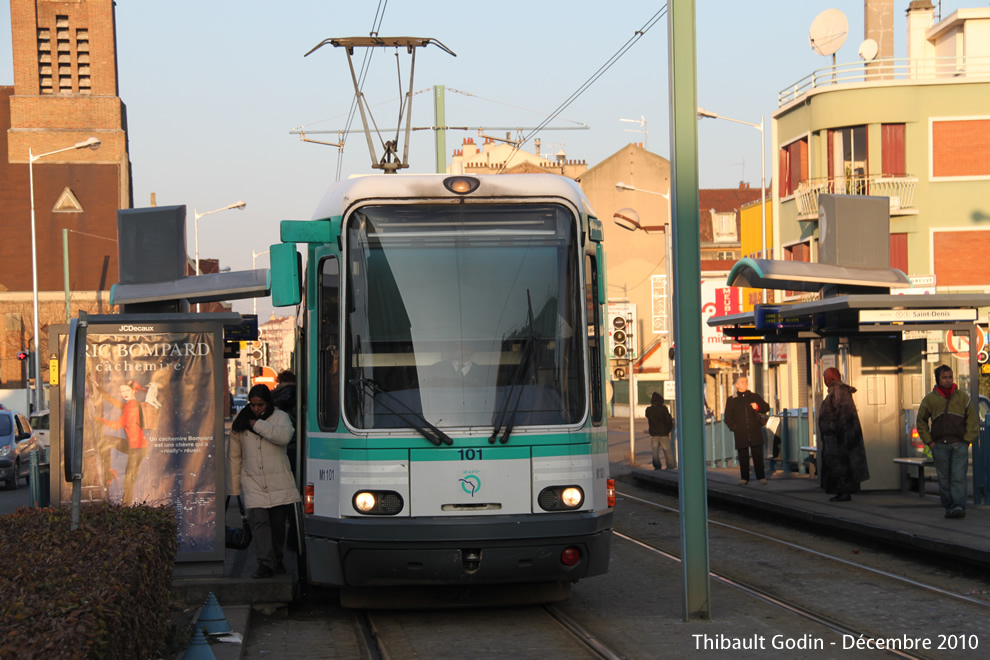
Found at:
<point>843,453</point>
<point>742,416</point>
<point>661,424</point>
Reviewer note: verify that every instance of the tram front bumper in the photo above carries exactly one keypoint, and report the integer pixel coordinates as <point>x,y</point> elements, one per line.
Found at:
<point>519,561</point>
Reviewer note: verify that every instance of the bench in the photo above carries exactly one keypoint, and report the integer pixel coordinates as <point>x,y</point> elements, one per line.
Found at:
<point>919,463</point>
<point>812,467</point>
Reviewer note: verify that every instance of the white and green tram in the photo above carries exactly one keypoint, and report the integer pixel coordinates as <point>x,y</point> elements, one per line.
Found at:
<point>452,429</point>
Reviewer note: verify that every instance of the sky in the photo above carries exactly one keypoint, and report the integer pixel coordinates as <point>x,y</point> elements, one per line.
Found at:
<point>213,89</point>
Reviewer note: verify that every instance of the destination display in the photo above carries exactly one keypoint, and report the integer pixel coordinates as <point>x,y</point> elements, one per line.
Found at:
<point>915,315</point>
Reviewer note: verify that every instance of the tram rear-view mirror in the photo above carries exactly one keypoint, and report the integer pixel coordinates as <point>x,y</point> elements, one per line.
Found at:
<point>286,275</point>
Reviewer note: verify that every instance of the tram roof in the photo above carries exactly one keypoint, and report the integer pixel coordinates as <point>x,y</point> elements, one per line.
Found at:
<point>385,187</point>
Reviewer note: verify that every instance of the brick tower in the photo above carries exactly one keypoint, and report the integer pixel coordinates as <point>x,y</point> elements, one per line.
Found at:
<point>65,91</point>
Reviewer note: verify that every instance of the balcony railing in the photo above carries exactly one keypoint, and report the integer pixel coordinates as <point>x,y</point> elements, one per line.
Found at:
<point>898,187</point>
<point>888,69</point>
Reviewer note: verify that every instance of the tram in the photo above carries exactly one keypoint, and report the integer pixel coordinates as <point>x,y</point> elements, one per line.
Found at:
<point>451,378</point>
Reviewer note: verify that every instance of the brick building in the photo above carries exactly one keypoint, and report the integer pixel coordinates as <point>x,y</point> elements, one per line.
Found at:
<point>65,91</point>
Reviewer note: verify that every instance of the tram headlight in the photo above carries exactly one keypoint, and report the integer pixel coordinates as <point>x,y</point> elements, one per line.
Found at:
<point>572,497</point>
<point>365,502</point>
<point>561,498</point>
<point>377,502</point>
<point>461,185</point>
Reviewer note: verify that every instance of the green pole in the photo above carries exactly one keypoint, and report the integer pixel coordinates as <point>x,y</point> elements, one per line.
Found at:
<point>440,122</point>
<point>65,271</point>
<point>686,237</point>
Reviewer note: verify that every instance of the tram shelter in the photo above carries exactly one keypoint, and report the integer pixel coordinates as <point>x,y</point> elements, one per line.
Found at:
<point>884,341</point>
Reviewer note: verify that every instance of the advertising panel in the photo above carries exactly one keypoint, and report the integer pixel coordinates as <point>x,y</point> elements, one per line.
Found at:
<point>151,425</point>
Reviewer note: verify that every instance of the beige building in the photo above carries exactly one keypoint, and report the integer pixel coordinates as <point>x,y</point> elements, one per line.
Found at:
<point>498,157</point>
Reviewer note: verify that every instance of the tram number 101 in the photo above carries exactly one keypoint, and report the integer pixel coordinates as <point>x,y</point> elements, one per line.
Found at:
<point>470,454</point>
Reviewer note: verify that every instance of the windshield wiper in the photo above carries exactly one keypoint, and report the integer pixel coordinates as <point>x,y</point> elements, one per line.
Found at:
<point>531,350</point>
<point>407,415</point>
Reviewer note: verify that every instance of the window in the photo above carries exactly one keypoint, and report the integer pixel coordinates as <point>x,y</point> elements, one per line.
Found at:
<point>960,148</point>
<point>726,255</point>
<point>724,226</point>
<point>594,338</point>
<point>847,159</point>
<point>328,360</point>
<point>793,166</point>
<point>892,151</point>
<point>66,70</point>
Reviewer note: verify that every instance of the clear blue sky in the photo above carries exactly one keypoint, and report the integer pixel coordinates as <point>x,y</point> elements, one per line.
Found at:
<point>213,88</point>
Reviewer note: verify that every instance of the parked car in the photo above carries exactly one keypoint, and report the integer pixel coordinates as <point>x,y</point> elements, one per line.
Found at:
<point>16,440</point>
<point>236,404</point>
<point>41,423</point>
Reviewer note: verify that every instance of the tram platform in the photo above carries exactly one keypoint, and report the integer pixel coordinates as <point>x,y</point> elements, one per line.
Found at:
<point>899,518</point>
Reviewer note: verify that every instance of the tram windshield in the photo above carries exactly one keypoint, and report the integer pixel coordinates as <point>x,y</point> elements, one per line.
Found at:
<point>463,316</point>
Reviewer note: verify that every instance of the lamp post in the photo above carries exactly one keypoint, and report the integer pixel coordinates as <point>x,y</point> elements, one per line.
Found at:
<point>632,224</point>
<point>196,216</point>
<point>91,143</point>
<point>702,113</point>
<point>255,255</point>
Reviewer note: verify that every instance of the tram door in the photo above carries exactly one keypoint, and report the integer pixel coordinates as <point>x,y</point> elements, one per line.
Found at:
<point>874,366</point>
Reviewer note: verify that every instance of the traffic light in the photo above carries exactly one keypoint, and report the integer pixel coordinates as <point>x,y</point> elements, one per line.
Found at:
<point>620,338</point>
<point>23,355</point>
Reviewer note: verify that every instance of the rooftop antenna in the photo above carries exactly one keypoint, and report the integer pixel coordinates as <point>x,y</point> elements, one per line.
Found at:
<point>390,162</point>
<point>828,33</point>
<point>642,129</point>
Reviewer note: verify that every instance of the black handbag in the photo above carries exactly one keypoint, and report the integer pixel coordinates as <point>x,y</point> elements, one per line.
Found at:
<point>238,538</point>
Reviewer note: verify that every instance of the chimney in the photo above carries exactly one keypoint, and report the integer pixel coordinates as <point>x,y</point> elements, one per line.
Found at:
<point>920,17</point>
<point>536,143</point>
<point>878,24</point>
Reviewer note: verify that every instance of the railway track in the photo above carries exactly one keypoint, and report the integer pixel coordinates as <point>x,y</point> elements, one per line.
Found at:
<point>899,612</point>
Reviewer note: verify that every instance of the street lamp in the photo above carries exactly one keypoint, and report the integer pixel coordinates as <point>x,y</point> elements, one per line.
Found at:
<point>91,143</point>
<point>630,221</point>
<point>702,113</point>
<point>196,216</point>
<point>255,255</point>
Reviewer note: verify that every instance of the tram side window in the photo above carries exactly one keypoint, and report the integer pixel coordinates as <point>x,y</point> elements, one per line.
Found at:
<point>594,336</point>
<point>328,350</point>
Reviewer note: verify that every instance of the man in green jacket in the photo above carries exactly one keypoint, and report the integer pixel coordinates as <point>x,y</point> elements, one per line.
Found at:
<point>954,425</point>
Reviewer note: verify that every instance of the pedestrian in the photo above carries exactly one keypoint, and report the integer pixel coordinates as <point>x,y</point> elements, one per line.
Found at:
<point>284,394</point>
<point>742,416</point>
<point>953,426</point>
<point>661,424</point>
<point>259,472</point>
<point>843,453</point>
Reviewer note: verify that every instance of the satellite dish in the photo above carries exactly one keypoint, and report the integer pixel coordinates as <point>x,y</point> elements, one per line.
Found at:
<point>868,50</point>
<point>828,32</point>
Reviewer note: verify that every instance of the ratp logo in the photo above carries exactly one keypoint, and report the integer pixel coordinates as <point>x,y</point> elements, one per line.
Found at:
<point>470,484</point>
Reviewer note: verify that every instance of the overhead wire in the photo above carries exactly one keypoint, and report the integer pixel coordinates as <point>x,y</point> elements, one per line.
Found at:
<point>653,20</point>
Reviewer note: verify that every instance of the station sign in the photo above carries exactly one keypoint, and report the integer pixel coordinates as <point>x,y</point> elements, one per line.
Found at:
<point>915,315</point>
<point>775,316</point>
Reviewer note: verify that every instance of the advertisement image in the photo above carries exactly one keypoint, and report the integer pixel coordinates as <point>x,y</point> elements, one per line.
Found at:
<point>149,427</point>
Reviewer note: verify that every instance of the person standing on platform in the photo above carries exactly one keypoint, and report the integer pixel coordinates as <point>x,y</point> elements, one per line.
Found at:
<point>843,465</point>
<point>661,424</point>
<point>953,426</point>
<point>742,416</point>
<point>259,471</point>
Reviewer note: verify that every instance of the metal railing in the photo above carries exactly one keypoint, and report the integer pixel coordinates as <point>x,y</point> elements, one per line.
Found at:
<point>898,187</point>
<point>887,69</point>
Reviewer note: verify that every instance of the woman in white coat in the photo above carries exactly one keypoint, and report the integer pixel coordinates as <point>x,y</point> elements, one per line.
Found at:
<point>260,473</point>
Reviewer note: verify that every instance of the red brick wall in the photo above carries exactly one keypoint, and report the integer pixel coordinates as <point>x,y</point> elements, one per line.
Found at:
<point>92,260</point>
<point>961,258</point>
<point>961,148</point>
